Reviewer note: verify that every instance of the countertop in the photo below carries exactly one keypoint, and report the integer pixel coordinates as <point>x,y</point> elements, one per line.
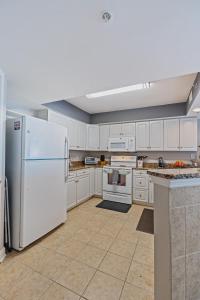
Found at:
<point>80,167</point>
<point>175,173</point>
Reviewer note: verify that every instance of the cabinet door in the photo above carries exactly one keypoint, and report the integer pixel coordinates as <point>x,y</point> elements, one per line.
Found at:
<point>104,136</point>
<point>83,188</point>
<point>115,130</point>
<point>188,134</point>
<point>92,181</point>
<point>71,194</point>
<point>82,134</point>
<point>142,136</point>
<point>171,135</point>
<point>72,130</point>
<point>128,129</point>
<point>99,181</point>
<point>140,195</point>
<point>156,133</point>
<point>92,137</point>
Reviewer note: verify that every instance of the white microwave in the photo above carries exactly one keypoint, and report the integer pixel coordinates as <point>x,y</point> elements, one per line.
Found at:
<point>121,144</point>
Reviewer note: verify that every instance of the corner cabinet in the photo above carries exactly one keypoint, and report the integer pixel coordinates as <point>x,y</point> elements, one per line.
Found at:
<point>93,137</point>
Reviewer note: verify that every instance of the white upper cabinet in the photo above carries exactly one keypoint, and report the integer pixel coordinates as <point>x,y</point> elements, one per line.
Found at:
<point>171,135</point>
<point>156,135</point>
<point>142,136</point>
<point>72,134</point>
<point>188,134</point>
<point>82,135</point>
<point>104,132</point>
<point>122,129</point>
<point>115,130</point>
<point>128,129</point>
<point>92,137</point>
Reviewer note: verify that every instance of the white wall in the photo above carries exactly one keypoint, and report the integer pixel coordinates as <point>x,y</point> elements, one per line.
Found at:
<point>2,162</point>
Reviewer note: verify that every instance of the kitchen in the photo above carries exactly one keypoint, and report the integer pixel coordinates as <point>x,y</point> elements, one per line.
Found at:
<point>100,151</point>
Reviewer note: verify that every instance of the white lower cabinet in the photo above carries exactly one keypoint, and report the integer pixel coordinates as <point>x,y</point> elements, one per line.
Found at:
<point>99,181</point>
<point>83,184</point>
<point>71,194</point>
<point>142,187</point>
<point>78,187</point>
<point>92,181</point>
<point>140,195</point>
<point>83,188</point>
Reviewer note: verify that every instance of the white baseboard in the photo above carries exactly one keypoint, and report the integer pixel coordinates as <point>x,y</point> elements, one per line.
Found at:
<point>2,254</point>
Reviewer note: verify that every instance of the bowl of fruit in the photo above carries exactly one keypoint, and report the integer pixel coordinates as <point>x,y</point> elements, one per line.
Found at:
<point>179,164</point>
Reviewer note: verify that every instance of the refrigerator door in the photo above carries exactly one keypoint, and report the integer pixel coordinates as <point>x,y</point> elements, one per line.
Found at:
<point>43,205</point>
<point>44,140</point>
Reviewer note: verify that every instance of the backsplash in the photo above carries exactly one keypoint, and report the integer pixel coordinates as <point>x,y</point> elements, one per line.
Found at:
<point>152,156</point>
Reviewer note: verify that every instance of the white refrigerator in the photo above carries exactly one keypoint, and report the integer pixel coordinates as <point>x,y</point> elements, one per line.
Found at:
<point>37,170</point>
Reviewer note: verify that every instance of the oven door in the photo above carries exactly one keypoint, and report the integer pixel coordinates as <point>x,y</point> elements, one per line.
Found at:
<point>120,182</point>
<point>118,144</point>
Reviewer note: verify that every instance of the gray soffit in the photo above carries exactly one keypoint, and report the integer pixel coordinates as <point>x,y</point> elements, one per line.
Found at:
<point>162,111</point>
<point>69,110</point>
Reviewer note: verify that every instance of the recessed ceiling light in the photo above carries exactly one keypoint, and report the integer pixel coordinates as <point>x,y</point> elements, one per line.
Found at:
<point>125,89</point>
<point>196,109</point>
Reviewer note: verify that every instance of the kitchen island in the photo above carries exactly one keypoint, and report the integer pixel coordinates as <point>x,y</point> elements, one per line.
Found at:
<point>177,233</point>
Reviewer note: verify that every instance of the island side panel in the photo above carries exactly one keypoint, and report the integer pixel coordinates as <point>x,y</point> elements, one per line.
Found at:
<point>185,209</point>
<point>162,243</point>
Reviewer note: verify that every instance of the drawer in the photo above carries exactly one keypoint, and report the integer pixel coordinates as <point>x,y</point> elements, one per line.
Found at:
<point>72,174</point>
<point>139,172</point>
<point>141,181</point>
<point>140,195</point>
<point>82,172</point>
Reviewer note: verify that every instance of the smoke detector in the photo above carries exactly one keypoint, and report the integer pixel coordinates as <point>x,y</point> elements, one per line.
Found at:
<point>106,16</point>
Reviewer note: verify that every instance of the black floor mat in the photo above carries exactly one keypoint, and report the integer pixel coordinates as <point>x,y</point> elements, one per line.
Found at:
<point>146,223</point>
<point>116,206</point>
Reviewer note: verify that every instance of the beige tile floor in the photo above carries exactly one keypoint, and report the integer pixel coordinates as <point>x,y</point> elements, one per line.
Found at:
<point>96,255</point>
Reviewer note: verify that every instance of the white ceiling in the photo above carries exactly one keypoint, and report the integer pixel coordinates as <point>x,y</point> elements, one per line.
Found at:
<point>53,50</point>
<point>161,92</point>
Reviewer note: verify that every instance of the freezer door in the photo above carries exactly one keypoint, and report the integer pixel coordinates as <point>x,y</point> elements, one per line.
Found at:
<point>44,140</point>
<point>43,202</point>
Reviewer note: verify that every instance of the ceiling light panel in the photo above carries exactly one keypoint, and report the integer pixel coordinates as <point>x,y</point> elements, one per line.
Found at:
<point>125,89</point>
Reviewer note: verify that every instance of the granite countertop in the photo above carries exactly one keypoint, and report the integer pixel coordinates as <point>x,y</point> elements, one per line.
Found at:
<point>80,167</point>
<point>175,173</point>
<point>152,167</point>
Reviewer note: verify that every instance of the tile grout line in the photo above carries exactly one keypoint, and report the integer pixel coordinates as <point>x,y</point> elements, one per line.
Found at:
<point>128,272</point>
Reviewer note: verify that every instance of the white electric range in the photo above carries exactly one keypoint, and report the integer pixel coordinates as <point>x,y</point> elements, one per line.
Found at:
<point>117,179</point>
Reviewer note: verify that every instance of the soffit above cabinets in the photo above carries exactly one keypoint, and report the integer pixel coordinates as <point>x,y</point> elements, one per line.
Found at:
<point>169,91</point>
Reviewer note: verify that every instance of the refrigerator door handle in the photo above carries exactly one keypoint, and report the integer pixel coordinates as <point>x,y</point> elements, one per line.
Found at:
<point>66,172</point>
<point>66,148</point>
